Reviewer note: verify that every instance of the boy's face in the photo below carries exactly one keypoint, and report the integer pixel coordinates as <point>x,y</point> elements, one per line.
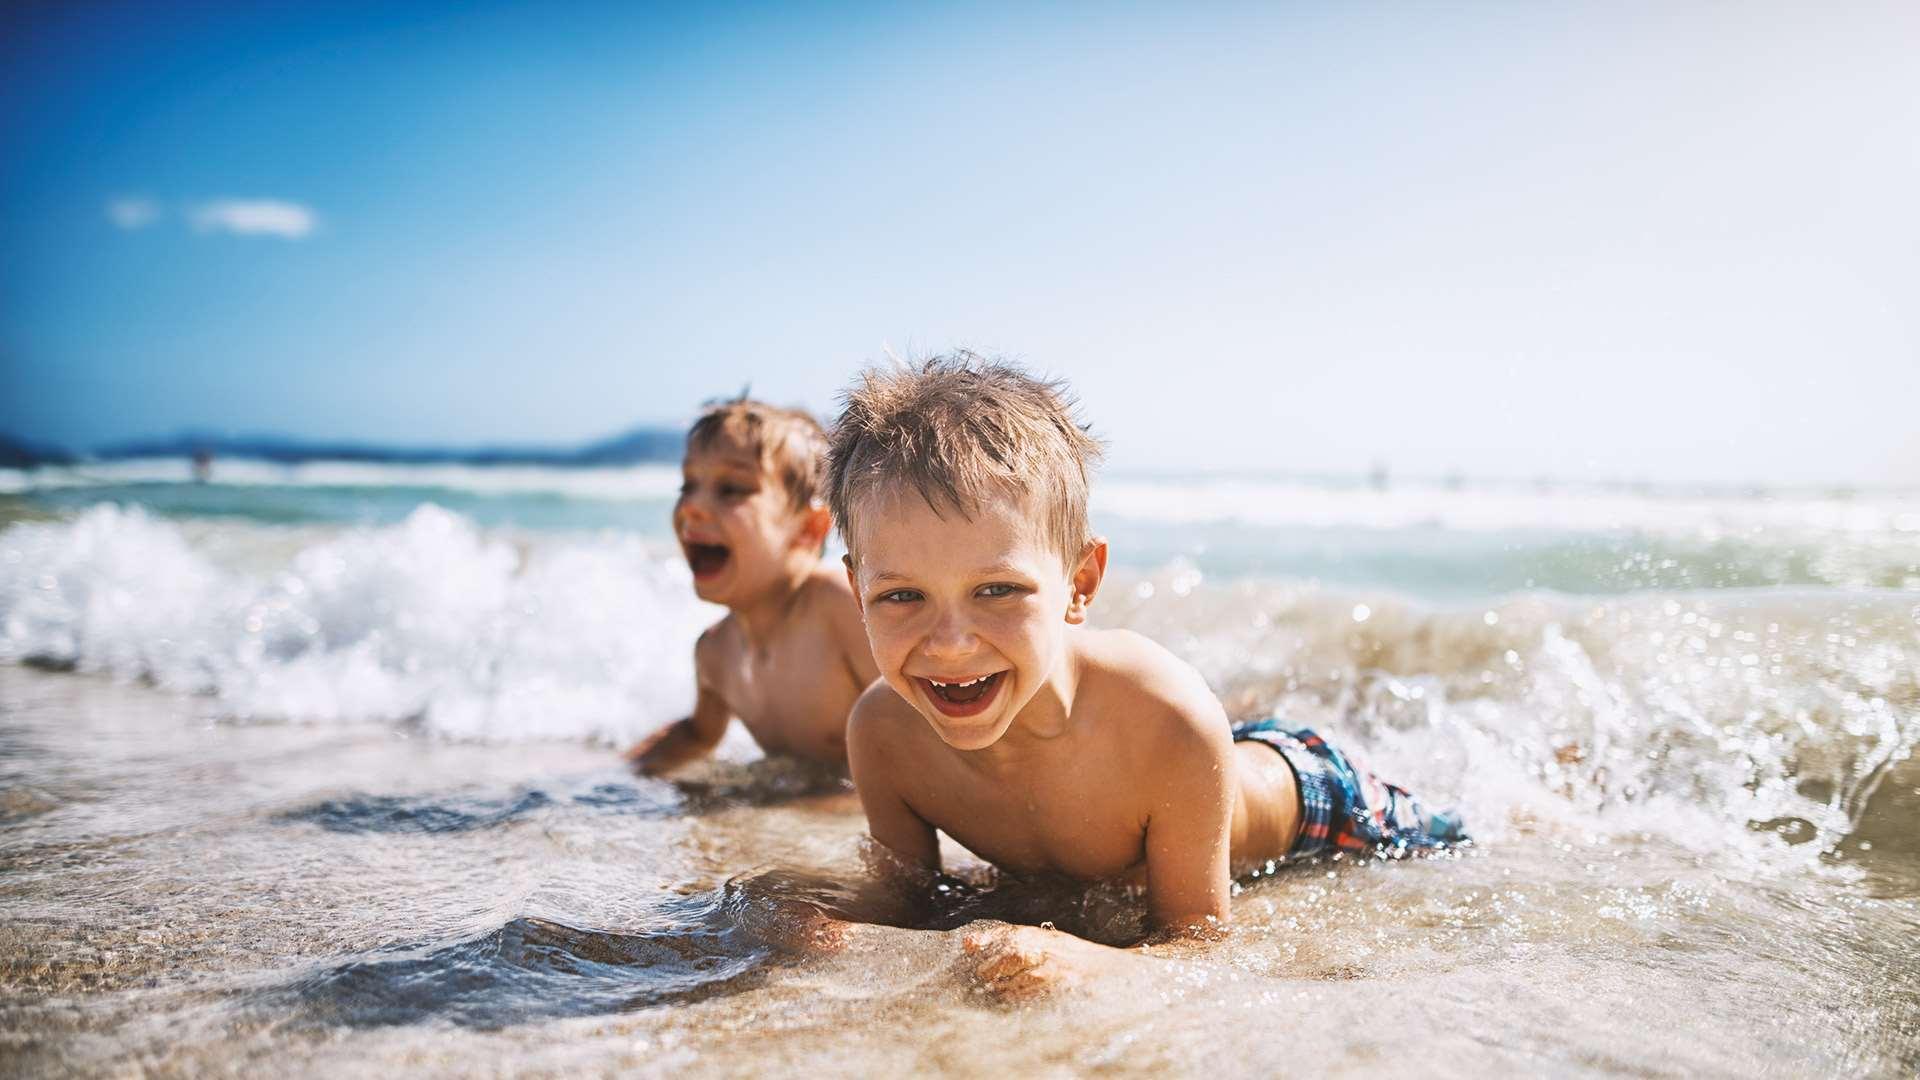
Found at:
<point>967,619</point>
<point>735,522</point>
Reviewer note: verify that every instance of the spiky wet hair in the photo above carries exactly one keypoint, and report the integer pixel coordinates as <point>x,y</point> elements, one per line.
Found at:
<point>789,443</point>
<point>957,429</point>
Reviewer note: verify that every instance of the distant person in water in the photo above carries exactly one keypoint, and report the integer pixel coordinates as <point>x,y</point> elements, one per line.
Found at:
<point>1044,747</point>
<point>790,658</point>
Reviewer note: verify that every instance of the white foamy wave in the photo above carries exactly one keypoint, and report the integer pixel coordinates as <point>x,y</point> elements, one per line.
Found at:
<point>1721,721</point>
<point>472,635</point>
<point>611,483</point>
<point>1494,509</point>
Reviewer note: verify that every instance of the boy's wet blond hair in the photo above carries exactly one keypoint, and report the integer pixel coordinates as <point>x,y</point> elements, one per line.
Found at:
<point>958,429</point>
<point>789,443</point>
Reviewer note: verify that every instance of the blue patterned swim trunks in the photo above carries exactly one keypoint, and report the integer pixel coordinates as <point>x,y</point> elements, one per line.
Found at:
<point>1344,807</point>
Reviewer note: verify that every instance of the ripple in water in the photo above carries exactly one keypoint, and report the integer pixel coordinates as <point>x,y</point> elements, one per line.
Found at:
<point>400,814</point>
<point>535,969</point>
<point>767,783</point>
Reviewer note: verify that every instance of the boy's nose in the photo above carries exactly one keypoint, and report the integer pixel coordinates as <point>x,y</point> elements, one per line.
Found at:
<point>951,637</point>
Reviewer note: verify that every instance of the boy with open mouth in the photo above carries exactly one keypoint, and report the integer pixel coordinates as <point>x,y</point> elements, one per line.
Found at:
<point>790,657</point>
<point>1039,745</point>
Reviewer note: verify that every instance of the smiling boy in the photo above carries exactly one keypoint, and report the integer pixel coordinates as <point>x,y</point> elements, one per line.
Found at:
<point>790,657</point>
<point>1039,745</point>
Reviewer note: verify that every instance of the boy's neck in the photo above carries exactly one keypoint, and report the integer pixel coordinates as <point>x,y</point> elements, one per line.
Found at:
<point>1038,727</point>
<point>761,616</point>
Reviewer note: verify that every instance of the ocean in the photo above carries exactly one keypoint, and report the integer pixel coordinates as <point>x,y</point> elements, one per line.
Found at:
<point>314,768</point>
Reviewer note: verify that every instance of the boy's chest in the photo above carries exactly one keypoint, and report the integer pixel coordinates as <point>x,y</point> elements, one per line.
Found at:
<point>1081,825</point>
<point>793,696</point>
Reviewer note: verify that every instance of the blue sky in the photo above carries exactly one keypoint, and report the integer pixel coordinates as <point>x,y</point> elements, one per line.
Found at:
<point>1676,242</point>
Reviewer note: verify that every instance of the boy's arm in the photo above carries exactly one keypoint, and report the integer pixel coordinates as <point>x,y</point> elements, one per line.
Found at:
<point>1190,832</point>
<point>694,737</point>
<point>877,768</point>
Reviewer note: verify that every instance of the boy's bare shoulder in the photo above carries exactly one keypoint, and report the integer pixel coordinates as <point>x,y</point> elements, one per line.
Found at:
<point>884,730</point>
<point>1165,705</point>
<point>828,601</point>
<point>717,647</point>
<point>829,598</point>
<point>882,719</point>
<point>826,590</point>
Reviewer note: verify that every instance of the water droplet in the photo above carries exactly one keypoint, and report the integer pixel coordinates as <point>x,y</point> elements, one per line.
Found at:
<point>1361,613</point>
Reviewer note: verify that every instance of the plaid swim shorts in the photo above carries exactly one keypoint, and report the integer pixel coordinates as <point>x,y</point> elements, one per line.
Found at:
<point>1343,806</point>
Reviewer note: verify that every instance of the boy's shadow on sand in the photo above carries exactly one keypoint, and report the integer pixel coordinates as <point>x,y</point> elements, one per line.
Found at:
<point>757,784</point>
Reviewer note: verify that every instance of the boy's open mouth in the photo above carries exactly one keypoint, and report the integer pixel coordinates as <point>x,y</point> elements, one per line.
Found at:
<point>966,697</point>
<point>707,560</point>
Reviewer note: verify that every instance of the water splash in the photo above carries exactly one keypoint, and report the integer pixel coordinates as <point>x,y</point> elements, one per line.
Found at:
<point>1724,719</point>
<point>430,620</point>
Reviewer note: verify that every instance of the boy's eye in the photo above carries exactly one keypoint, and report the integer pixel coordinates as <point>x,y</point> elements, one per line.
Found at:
<point>997,590</point>
<point>735,491</point>
<point>899,596</point>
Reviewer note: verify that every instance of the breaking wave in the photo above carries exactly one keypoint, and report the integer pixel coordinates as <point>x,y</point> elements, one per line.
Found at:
<point>471,635</point>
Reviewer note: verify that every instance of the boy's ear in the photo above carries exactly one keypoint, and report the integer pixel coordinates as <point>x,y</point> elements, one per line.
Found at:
<point>1086,579</point>
<point>815,523</point>
<point>847,561</point>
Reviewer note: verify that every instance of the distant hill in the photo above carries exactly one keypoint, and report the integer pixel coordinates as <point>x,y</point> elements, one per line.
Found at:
<point>21,454</point>
<point>638,446</point>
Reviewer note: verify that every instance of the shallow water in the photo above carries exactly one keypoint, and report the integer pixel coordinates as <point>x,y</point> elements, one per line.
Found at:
<point>190,895</point>
<point>329,798</point>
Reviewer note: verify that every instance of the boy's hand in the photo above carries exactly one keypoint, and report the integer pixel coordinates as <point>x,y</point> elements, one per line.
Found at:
<point>662,751</point>
<point>636,755</point>
<point>687,740</point>
<point>1021,963</point>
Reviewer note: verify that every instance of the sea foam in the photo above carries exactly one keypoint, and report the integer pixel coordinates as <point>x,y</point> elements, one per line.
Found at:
<point>473,635</point>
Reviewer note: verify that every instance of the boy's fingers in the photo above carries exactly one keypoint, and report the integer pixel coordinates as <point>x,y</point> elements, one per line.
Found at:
<point>831,935</point>
<point>1025,985</point>
<point>1001,966</point>
<point>1029,985</point>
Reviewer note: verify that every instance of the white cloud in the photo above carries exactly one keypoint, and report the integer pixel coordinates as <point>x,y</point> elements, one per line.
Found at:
<point>255,217</point>
<point>132,212</point>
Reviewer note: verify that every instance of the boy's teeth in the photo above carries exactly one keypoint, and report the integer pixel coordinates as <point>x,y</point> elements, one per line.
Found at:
<point>962,693</point>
